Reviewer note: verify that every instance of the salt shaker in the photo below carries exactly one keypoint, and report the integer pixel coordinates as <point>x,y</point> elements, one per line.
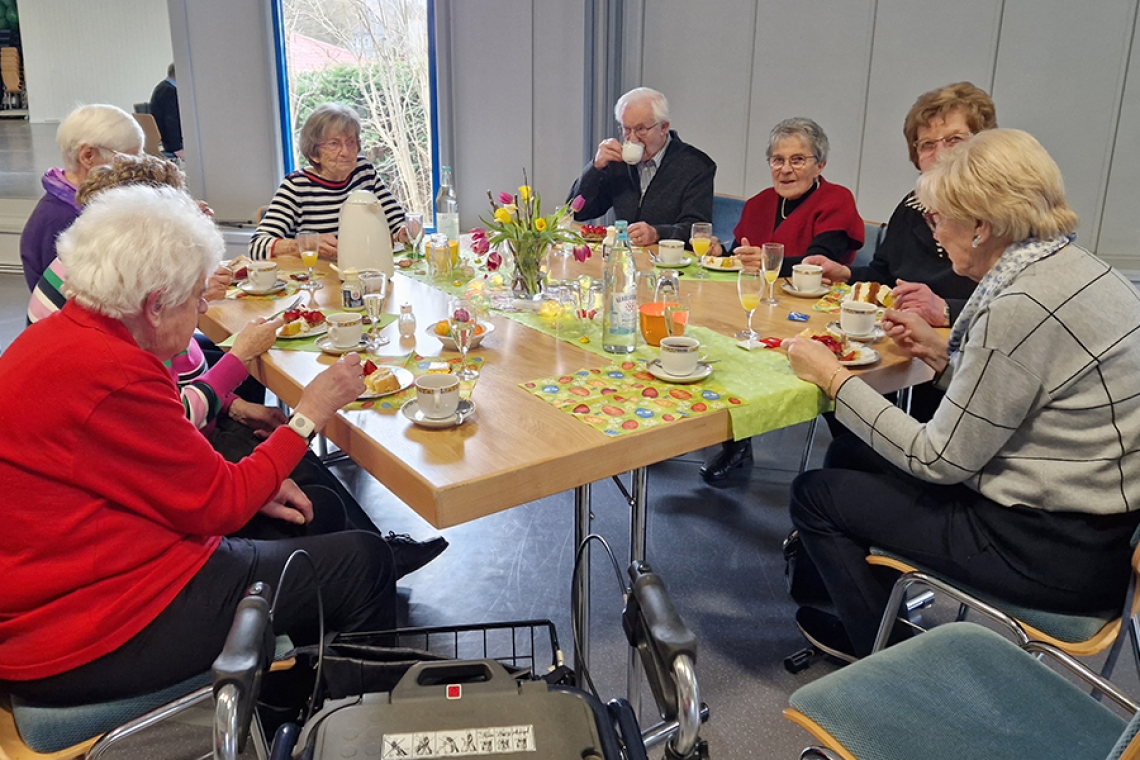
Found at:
<point>406,323</point>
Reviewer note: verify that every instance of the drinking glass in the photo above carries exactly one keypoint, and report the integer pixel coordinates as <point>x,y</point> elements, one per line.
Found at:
<point>771,259</point>
<point>461,318</point>
<point>749,286</point>
<point>374,305</point>
<point>309,246</point>
<point>559,267</point>
<point>700,240</point>
<point>677,314</point>
<point>414,223</point>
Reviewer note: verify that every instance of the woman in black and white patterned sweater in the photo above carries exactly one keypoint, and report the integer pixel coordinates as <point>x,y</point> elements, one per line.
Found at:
<point>310,199</point>
<point>1026,482</point>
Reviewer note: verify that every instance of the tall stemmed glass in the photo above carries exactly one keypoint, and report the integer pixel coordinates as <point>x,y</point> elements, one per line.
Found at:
<point>700,240</point>
<point>309,246</point>
<point>771,259</point>
<point>461,318</point>
<point>414,224</point>
<point>374,305</point>
<point>749,286</point>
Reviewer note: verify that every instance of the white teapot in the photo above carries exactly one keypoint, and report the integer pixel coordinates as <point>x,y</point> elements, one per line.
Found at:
<point>364,240</point>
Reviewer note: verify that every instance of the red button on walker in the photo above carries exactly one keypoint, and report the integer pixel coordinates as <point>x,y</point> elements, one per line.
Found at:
<point>454,691</point>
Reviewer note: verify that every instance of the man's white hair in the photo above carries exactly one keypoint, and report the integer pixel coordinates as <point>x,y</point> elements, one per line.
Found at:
<point>136,240</point>
<point>655,99</point>
<point>108,128</point>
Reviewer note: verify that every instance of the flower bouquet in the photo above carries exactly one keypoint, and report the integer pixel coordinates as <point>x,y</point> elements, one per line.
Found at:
<point>517,220</point>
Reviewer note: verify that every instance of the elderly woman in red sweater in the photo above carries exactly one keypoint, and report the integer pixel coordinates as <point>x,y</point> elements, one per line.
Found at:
<point>806,213</point>
<point>118,575</point>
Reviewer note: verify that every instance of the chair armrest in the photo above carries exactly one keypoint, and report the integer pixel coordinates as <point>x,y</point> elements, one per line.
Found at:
<point>1079,670</point>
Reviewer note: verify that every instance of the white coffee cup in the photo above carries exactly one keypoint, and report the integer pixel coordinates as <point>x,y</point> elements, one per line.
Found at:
<point>437,395</point>
<point>857,319</point>
<point>679,355</point>
<point>670,251</point>
<point>345,330</point>
<point>262,274</point>
<point>631,152</point>
<point>807,278</point>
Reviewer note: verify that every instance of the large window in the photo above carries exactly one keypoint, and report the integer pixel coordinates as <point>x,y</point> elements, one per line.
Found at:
<point>374,56</point>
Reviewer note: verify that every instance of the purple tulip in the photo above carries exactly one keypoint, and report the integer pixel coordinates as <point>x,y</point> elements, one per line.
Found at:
<point>480,245</point>
<point>577,204</point>
<point>478,233</point>
<point>505,198</point>
<point>581,252</point>
<point>494,261</point>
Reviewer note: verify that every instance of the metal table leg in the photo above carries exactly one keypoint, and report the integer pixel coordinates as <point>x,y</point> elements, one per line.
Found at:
<point>637,531</point>
<point>580,614</point>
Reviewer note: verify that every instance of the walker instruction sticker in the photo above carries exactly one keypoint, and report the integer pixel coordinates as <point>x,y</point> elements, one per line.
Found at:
<point>459,742</point>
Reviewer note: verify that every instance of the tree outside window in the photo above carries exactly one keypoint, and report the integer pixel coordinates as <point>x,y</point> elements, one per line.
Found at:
<point>371,55</point>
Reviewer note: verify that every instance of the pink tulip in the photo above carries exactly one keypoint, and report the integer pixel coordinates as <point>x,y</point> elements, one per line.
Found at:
<point>577,204</point>
<point>494,261</point>
<point>505,198</point>
<point>478,233</point>
<point>480,245</point>
<point>581,252</point>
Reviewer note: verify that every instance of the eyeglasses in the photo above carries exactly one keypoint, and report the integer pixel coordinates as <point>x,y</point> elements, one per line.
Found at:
<point>336,146</point>
<point>796,162</point>
<point>639,132</point>
<point>926,147</point>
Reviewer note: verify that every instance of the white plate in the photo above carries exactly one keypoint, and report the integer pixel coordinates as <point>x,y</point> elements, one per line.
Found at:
<point>717,268</point>
<point>865,355</point>
<point>411,410</point>
<point>404,377</point>
<point>822,290</point>
<point>247,286</point>
<point>703,371</point>
<point>311,332</point>
<point>326,345</point>
<point>876,335</point>
<point>684,262</point>
<point>449,344</point>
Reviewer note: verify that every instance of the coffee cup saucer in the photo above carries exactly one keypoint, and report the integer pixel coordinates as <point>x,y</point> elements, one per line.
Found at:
<point>248,287</point>
<point>684,262</point>
<point>411,410</point>
<point>326,344</point>
<point>704,369</point>
<point>872,337</point>
<point>792,290</point>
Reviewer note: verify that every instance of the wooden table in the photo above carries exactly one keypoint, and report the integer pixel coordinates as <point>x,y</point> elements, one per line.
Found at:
<point>519,448</point>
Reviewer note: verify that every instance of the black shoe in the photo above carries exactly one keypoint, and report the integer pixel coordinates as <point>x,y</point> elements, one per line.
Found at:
<point>826,633</point>
<point>410,555</point>
<point>732,454</point>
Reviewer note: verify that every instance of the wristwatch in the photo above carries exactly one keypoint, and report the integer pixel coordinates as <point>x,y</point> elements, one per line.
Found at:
<point>303,426</point>
<point>946,313</point>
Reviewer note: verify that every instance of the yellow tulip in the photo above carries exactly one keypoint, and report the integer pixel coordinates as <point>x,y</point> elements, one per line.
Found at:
<point>502,216</point>
<point>524,193</point>
<point>540,224</point>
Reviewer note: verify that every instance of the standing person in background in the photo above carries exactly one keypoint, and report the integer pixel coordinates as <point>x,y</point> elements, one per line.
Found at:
<point>662,193</point>
<point>164,109</point>
<point>90,136</point>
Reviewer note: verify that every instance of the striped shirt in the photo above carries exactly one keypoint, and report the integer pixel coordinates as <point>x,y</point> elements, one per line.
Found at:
<point>307,202</point>
<point>205,391</point>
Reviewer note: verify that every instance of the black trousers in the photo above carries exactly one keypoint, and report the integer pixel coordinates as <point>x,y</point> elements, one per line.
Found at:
<point>1066,562</point>
<point>354,570</point>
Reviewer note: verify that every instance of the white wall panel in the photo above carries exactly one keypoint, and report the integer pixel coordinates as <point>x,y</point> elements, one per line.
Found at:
<point>812,59</point>
<point>918,46</point>
<point>1060,72</point>
<point>700,56</point>
<point>559,95</point>
<point>1119,240</point>
<point>79,53</point>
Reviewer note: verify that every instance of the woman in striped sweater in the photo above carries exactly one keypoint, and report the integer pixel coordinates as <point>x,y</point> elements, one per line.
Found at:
<point>311,199</point>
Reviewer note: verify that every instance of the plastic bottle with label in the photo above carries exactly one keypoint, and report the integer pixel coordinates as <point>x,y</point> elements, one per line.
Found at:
<point>446,206</point>
<point>619,296</point>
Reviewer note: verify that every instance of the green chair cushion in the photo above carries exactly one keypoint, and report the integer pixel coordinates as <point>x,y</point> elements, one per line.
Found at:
<point>1065,627</point>
<point>959,692</point>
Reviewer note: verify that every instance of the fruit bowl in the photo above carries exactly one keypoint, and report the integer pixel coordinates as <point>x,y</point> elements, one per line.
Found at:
<point>482,330</point>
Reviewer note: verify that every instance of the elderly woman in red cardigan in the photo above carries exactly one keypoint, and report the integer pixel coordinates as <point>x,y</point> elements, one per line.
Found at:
<point>806,213</point>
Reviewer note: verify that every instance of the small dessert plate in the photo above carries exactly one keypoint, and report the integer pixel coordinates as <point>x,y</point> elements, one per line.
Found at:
<point>411,410</point>
<point>326,345</point>
<point>703,370</point>
<point>247,287</point>
<point>865,355</point>
<point>404,377</point>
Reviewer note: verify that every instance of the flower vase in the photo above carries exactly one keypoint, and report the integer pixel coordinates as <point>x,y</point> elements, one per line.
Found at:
<point>528,258</point>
